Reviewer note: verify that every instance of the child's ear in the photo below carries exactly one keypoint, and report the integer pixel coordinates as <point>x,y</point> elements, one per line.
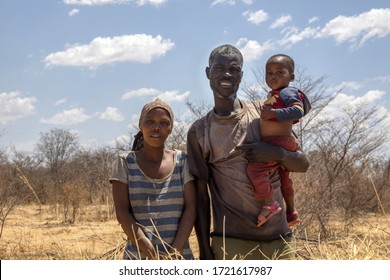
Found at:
<point>292,78</point>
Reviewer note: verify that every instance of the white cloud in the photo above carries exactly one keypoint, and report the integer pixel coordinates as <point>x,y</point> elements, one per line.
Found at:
<point>121,141</point>
<point>60,101</point>
<point>252,50</point>
<point>73,12</point>
<point>256,17</point>
<point>14,107</point>
<point>106,2</point>
<point>280,21</point>
<point>152,2</point>
<point>293,35</point>
<point>94,2</point>
<point>248,2</point>
<point>106,50</point>
<point>335,108</point>
<point>383,79</point>
<point>347,85</point>
<point>313,19</point>
<point>358,29</point>
<point>167,96</point>
<point>112,114</point>
<point>141,93</point>
<point>223,2</point>
<point>370,97</point>
<point>67,117</point>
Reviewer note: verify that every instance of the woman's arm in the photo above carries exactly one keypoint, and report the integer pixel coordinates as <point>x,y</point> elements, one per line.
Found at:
<point>129,225</point>
<point>265,152</point>
<point>188,216</point>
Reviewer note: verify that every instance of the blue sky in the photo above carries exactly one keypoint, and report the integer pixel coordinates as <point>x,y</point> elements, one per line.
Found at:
<point>90,65</point>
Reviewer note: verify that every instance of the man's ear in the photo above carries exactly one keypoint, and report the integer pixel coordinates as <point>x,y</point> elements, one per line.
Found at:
<point>207,72</point>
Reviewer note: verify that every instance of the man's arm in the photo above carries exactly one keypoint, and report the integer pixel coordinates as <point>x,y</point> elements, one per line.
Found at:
<point>203,217</point>
<point>199,169</point>
<point>265,152</point>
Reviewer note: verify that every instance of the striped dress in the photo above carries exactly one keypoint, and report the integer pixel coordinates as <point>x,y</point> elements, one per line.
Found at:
<point>157,204</point>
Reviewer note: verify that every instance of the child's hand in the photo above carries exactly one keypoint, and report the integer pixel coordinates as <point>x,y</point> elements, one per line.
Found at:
<point>267,113</point>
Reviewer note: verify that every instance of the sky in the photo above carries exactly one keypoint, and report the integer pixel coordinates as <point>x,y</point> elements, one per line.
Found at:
<point>89,66</point>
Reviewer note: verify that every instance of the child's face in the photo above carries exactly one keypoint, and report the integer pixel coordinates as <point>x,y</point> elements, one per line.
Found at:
<point>156,127</point>
<point>277,75</point>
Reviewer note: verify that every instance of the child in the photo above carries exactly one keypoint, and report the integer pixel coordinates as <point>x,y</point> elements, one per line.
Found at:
<point>154,194</point>
<point>284,107</point>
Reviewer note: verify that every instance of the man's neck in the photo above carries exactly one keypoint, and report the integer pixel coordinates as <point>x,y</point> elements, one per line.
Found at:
<point>225,107</point>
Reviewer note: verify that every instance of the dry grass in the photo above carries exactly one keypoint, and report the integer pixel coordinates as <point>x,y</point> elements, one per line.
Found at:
<point>368,239</point>
<point>36,233</point>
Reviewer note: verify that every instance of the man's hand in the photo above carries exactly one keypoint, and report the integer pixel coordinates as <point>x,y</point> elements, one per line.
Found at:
<point>261,152</point>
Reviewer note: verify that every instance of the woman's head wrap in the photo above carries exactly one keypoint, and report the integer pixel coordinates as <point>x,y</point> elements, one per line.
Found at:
<point>157,103</point>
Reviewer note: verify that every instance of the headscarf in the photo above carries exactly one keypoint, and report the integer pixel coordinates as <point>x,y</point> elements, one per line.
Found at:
<point>157,103</point>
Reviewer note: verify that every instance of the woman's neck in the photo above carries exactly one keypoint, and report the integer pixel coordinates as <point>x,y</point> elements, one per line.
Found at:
<point>152,154</point>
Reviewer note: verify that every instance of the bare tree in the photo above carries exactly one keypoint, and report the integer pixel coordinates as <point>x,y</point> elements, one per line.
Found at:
<point>56,147</point>
<point>337,183</point>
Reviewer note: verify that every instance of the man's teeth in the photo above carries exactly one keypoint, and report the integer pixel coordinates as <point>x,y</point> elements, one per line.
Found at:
<point>226,84</point>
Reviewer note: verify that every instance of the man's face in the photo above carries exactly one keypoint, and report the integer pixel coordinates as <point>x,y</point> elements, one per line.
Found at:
<point>225,73</point>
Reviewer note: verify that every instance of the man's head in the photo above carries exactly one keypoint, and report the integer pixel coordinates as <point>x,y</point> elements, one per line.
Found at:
<point>225,71</point>
<point>227,50</point>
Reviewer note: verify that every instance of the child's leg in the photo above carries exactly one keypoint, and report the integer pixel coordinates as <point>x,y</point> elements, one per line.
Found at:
<point>258,174</point>
<point>287,189</point>
<point>288,195</point>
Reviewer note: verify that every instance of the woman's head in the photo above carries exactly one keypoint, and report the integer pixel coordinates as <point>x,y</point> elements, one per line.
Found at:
<point>155,124</point>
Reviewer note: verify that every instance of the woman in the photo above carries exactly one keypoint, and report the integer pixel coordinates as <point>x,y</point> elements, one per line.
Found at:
<point>154,194</point>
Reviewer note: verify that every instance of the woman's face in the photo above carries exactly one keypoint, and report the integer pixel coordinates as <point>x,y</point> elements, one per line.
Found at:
<point>156,127</point>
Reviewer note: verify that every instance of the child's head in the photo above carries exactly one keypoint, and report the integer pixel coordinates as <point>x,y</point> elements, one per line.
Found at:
<point>279,71</point>
<point>155,124</point>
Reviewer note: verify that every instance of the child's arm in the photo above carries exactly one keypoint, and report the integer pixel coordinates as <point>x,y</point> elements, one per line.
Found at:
<point>291,98</point>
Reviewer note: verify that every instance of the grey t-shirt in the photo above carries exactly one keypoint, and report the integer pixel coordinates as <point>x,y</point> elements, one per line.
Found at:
<point>212,157</point>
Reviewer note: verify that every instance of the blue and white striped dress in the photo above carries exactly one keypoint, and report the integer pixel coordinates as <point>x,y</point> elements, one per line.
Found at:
<point>157,204</point>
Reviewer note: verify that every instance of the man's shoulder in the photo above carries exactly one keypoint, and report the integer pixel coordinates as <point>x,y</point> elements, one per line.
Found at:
<point>201,122</point>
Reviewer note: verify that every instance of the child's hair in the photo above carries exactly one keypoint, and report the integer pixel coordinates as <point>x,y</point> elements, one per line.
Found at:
<point>285,59</point>
<point>138,142</point>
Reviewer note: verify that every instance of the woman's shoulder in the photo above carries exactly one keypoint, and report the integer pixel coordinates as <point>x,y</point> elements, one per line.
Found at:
<point>128,156</point>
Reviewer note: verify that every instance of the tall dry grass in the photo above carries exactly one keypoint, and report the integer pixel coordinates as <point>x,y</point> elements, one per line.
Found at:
<point>36,232</point>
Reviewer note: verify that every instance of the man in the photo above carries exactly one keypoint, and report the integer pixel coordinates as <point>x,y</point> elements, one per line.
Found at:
<point>219,147</point>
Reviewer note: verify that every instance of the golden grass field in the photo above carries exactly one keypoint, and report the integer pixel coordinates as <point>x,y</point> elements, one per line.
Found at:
<point>37,233</point>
